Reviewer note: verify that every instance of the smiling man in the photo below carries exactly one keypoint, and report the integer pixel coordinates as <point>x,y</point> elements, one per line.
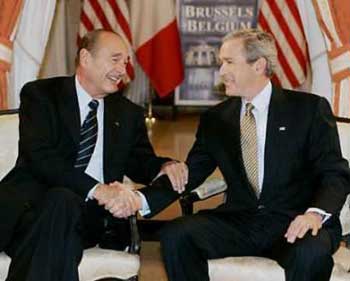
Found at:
<point>78,137</point>
<point>279,153</point>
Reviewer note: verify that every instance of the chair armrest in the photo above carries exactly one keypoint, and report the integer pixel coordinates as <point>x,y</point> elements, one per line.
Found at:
<point>120,234</point>
<point>206,190</point>
<point>135,245</point>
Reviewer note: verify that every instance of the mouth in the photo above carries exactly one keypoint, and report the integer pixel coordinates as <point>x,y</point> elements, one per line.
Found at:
<point>115,79</point>
<point>228,84</point>
<point>227,80</point>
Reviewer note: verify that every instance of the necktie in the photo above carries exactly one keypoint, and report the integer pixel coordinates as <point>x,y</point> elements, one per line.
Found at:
<point>88,137</point>
<point>249,145</point>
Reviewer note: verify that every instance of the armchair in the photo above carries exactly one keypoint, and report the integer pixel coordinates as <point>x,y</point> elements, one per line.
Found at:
<point>97,263</point>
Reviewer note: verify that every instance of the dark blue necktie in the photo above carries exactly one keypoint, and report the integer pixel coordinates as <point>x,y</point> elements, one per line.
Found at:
<point>88,137</point>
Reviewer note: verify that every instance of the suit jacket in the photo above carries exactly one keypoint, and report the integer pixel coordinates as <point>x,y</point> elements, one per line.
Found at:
<point>49,140</point>
<point>303,162</point>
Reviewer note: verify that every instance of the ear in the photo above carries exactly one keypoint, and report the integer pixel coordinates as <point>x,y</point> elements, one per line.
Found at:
<point>85,57</point>
<point>260,66</point>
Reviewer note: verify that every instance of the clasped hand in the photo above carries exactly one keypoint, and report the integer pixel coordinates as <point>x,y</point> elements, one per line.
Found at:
<point>122,201</point>
<point>119,199</point>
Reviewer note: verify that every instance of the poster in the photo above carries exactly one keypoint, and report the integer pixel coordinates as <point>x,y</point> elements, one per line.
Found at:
<point>202,24</point>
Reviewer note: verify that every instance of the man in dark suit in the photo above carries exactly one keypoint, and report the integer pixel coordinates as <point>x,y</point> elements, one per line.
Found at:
<point>78,138</point>
<point>279,153</point>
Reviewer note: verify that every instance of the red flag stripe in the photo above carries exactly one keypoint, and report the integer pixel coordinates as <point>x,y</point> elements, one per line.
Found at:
<point>121,19</point>
<point>130,71</point>
<point>285,47</point>
<point>294,25</point>
<point>294,11</point>
<point>284,23</point>
<point>288,34</point>
<point>100,14</point>
<point>287,69</point>
<point>281,58</point>
<point>86,21</point>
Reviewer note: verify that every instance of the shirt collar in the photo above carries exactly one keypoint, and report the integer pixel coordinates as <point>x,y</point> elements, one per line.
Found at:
<point>83,97</point>
<point>262,100</point>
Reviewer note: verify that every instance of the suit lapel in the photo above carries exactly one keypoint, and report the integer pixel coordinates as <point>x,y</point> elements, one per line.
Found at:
<point>230,116</point>
<point>273,146</point>
<point>70,108</point>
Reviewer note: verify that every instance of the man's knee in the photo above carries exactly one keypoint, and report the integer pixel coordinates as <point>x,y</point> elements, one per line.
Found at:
<point>313,251</point>
<point>176,231</point>
<point>62,199</point>
<point>61,194</point>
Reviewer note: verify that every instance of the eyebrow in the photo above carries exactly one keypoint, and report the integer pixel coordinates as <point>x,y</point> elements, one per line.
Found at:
<point>226,58</point>
<point>117,55</point>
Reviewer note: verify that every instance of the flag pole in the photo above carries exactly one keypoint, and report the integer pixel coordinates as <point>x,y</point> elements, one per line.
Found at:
<point>150,119</point>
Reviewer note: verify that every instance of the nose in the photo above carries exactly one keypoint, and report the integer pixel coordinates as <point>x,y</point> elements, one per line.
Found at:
<point>222,69</point>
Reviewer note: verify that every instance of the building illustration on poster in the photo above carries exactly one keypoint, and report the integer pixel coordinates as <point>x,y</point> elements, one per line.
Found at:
<point>202,24</point>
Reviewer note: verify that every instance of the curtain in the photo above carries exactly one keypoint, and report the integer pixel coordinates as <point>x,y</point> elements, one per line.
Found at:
<point>321,78</point>
<point>334,19</point>
<point>29,45</point>
<point>9,15</point>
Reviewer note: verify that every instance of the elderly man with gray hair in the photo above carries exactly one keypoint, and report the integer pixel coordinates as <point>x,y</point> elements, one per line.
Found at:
<point>78,138</point>
<point>278,151</point>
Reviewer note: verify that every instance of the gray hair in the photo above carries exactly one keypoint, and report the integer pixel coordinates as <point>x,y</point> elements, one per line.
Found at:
<point>257,44</point>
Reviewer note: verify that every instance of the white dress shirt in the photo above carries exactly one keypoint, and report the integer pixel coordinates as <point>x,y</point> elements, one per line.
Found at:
<point>260,111</point>
<point>95,166</point>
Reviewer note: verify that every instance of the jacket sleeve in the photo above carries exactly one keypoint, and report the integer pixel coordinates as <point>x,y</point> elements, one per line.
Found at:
<point>143,164</point>
<point>328,165</point>
<point>200,164</point>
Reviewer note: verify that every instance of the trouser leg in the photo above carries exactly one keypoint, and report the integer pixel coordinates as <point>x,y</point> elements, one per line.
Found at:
<point>11,210</point>
<point>52,248</point>
<point>309,258</point>
<point>188,242</point>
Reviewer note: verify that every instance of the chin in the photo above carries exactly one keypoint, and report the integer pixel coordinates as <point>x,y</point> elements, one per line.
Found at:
<point>231,90</point>
<point>111,89</point>
<point>231,93</point>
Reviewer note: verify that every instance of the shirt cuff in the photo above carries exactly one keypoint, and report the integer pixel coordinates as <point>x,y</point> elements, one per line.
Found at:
<point>145,209</point>
<point>324,214</point>
<point>90,195</point>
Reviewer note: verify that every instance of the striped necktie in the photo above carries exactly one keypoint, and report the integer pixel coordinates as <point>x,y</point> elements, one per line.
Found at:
<point>249,145</point>
<point>88,137</point>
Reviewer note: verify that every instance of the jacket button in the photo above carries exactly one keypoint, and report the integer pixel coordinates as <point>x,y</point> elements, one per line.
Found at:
<point>261,207</point>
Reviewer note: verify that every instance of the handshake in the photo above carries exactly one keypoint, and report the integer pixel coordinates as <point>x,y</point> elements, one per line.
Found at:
<point>122,200</point>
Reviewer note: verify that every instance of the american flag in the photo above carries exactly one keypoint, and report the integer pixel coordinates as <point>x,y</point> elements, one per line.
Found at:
<point>281,18</point>
<point>109,15</point>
